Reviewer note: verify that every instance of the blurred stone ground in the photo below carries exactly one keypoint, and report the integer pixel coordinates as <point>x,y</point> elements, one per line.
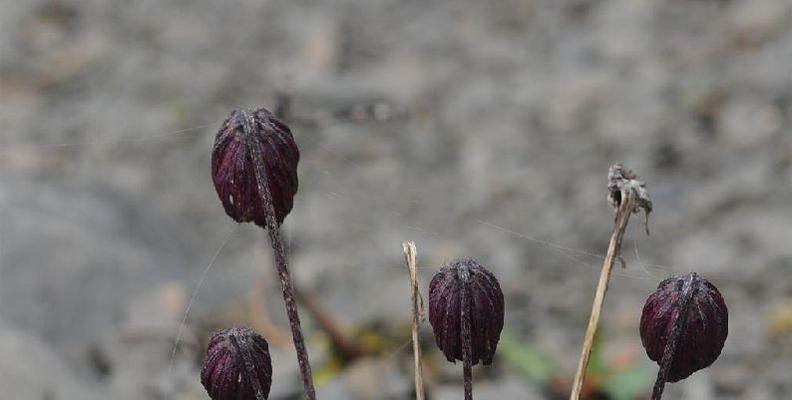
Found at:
<point>489,130</point>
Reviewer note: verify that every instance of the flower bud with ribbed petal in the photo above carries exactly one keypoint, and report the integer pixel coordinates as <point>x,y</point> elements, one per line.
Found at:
<point>465,287</point>
<point>684,325</point>
<point>694,306</point>
<point>245,137</point>
<point>237,366</point>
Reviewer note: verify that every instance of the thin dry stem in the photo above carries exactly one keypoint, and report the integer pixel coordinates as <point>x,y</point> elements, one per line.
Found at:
<point>349,349</point>
<point>623,213</point>
<point>417,311</point>
<point>273,229</point>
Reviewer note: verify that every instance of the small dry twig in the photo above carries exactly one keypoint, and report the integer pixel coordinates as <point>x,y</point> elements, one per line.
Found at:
<point>627,195</point>
<point>348,347</point>
<point>417,312</point>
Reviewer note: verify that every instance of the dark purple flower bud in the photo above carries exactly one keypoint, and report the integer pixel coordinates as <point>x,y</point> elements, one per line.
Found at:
<point>237,366</point>
<point>248,138</point>
<point>465,289</point>
<point>687,318</point>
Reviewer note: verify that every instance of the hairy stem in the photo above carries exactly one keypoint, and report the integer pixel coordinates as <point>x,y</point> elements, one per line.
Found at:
<point>416,310</point>
<point>614,247</point>
<point>467,346</point>
<point>250,366</point>
<point>673,339</point>
<point>665,366</point>
<point>291,311</point>
<point>280,262</point>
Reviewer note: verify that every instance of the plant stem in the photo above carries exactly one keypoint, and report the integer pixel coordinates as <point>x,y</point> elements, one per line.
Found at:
<point>614,247</point>
<point>273,230</point>
<point>665,366</point>
<point>673,339</point>
<point>249,365</point>
<point>417,309</point>
<point>467,346</point>
<point>291,311</point>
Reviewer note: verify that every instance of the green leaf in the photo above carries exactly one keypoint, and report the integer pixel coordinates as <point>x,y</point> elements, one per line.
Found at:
<point>596,365</point>
<point>527,359</point>
<point>630,383</point>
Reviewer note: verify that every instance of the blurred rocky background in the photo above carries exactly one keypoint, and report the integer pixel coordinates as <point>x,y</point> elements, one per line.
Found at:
<point>472,127</point>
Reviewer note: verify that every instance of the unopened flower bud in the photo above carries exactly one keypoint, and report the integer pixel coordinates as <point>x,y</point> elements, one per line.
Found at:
<point>237,366</point>
<point>248,138</point>
<point>689,310</point>
<point>465,289</point>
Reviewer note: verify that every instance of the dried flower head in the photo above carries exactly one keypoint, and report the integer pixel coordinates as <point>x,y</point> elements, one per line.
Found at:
<point>250,139</point>
<point>687,318</point>
<point>237,366</point>
<point>623,181</point>
<point>465,289</point>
